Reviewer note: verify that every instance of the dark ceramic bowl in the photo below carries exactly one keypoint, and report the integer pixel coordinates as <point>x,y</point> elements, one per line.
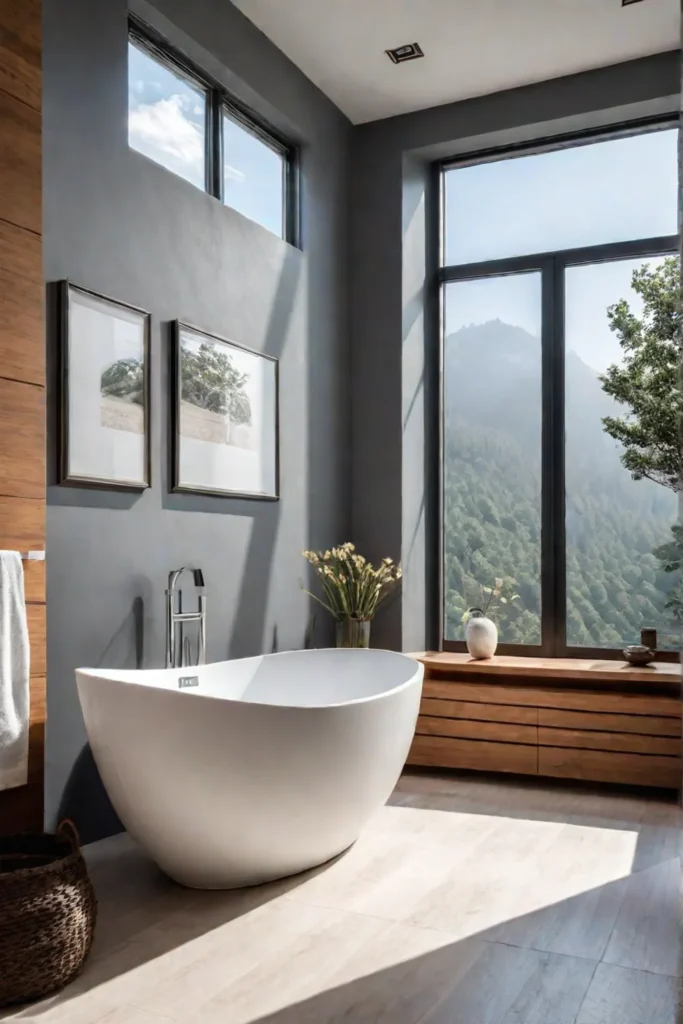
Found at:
<point>639,655</point>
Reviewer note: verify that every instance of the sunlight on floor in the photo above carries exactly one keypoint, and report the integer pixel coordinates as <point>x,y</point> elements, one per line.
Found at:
<point>461,902</point>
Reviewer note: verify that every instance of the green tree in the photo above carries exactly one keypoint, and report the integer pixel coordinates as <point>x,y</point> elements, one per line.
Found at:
<point>647,381</point>
<point>124,379</point>
<point>210,381</point>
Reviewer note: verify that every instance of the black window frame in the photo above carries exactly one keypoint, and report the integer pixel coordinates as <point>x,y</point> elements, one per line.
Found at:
<point>219,102</point>
<point>551,266</point>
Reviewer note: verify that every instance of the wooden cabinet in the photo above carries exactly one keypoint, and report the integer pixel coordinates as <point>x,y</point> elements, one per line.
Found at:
<point>586,720</point>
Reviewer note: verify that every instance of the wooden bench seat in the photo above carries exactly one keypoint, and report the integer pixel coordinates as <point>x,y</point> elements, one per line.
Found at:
<point>603,721</point>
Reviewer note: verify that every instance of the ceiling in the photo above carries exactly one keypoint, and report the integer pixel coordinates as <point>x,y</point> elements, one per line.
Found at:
<point>471,47</point>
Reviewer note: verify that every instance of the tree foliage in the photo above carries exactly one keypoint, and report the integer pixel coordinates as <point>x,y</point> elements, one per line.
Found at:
<point>646,381</point>
<point>210,381</point>
<point>124,379</point>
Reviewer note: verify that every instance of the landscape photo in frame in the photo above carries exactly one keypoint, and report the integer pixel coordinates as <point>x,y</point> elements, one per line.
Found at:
<point>105,391</point>
<point>226,417</point>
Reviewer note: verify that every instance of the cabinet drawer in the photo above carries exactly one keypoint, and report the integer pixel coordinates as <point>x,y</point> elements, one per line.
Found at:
<point>611,741</point>
<point>502,732</point>
<point>647,725</point>
<point>478,711</point>
<point>452,752</point>
<point>604,766</point>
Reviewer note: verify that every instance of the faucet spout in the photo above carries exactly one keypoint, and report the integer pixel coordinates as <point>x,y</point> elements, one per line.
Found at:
<point>178,646</point>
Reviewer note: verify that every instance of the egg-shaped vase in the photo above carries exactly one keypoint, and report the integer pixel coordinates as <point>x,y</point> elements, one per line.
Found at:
<point>481,636</point>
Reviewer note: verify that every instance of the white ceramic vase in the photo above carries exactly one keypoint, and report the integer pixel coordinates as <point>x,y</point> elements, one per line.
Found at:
<point>481,636</point>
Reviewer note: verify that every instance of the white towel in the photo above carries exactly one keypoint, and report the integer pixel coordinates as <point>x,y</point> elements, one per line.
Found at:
<point>14,673</point>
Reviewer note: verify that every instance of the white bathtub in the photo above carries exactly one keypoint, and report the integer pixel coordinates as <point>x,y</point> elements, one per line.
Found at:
<point>267,766</point>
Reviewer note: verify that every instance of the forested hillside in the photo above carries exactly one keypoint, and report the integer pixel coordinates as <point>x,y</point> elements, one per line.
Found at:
<point>492,514</point>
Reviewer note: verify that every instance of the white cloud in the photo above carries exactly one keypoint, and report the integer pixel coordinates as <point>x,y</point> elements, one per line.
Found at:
<point>232,174</point>
<point>162,131</point>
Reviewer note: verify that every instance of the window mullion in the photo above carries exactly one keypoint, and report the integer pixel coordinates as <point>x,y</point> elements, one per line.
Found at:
<point>553,546</point>
<point>214,143</point>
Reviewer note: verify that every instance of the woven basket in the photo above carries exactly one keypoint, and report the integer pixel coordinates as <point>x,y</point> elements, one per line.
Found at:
<point>47,913</point>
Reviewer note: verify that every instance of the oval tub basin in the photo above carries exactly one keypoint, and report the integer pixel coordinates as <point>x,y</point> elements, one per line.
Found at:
<point>240,772</point>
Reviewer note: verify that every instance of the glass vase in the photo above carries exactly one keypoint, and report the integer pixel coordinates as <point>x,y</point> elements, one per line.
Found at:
<point>353,633</point>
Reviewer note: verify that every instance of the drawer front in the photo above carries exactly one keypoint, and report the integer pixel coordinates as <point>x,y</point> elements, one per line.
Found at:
<point>646,725</point>
<point>616,741</point>
<point>556,697</point>
<point>452,752</point>
<point>603,766</point>
<point>502,732</point>
<point>478,712</point>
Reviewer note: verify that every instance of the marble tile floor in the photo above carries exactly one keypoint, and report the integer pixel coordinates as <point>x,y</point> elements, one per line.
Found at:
<point>465,901</point>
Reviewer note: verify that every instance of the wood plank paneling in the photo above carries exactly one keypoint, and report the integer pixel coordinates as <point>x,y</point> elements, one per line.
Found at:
<point>567,699</point>
<point>22,362</point>
<point>21,809</point>
<point>35,614</point>
<point>450,752</point>
<point>34,582</point>
<point>478,711</point>
<point>626,741</point>
<point>22,523</point>
<point>20,164</point>
<point>22,440</point>
<point>599,766</point>
<point>20,50</point>
<point>22,347</point>
<point>648,725</point>
<point>36,744</point>
<point>503,732</point>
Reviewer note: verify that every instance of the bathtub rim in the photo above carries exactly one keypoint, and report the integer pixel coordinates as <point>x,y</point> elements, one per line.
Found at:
<point>118,676</point>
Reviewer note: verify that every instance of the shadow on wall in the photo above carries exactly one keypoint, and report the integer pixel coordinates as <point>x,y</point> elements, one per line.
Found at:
<point>84,799</point>
<point>248,630</point>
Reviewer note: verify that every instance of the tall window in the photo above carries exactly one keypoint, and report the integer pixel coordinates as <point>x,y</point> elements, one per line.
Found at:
<point>553,260</point>
<point>190,126</point>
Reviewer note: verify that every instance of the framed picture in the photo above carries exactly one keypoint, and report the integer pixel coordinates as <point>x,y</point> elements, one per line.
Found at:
<point>226,417</point>
<point>105,391</point>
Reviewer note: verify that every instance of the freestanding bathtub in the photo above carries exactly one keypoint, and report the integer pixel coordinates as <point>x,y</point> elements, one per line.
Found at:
<point>240,772</point>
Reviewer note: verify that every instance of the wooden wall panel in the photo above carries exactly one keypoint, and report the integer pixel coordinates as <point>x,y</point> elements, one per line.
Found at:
<point>20,160</point>
<point>22,523</point>
<point>22,363</point>
<point>22,440</point>
<point>35,614</point>
<point>22,348</point>
<point>20,50</point>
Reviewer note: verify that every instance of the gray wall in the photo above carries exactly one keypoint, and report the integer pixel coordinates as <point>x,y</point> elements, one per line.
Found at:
<point>117,223</point>
<point>394,387</point>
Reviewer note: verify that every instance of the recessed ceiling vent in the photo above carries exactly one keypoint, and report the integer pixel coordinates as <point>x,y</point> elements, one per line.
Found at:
<point>410,51</point>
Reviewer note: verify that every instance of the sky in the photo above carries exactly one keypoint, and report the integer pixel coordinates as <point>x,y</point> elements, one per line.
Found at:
<point>166,117</point>
<point>602,192</point>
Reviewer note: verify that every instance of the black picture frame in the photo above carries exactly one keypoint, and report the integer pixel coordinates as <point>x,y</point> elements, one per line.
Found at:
<point>66,476</point>
<point>178,327</point>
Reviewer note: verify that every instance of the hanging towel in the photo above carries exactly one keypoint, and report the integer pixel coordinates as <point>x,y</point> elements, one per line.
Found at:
<point>14,673</point>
